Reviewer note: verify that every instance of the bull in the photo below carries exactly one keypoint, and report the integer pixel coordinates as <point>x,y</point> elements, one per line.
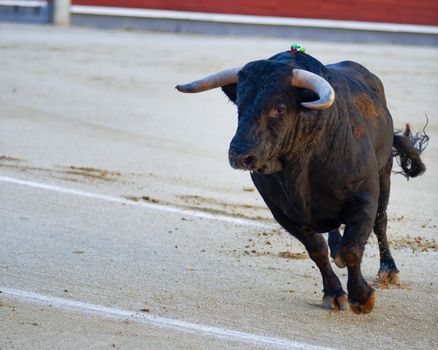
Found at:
<point>319,161</point>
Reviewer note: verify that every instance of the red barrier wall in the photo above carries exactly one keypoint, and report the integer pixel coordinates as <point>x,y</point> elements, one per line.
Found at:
<point>393,11</point>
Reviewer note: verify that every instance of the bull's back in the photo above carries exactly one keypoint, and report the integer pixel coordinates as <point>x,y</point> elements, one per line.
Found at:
<point>363,95</point>
<point>356,71</point>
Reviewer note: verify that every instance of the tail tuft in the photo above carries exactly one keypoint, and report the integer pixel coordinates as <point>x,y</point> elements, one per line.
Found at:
<point>407,148</point>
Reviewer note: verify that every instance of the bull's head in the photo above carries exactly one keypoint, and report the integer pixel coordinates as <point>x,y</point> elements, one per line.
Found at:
<point>269,96</point>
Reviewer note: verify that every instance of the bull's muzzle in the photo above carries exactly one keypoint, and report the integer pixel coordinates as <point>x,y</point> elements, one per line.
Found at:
<point>242,161</point>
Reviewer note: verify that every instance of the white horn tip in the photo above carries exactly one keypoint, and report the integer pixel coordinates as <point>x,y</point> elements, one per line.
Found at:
<point>323,103</point>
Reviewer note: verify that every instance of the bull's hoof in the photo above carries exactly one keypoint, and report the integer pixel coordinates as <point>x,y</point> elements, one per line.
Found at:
<point>366,307</point>
<point>387,278</point>
<point>339,261</point>
<point>335,302</point>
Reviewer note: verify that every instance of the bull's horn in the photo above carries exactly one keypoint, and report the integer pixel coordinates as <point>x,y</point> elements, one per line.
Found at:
<point>308,80</point>
<point>225,77</point>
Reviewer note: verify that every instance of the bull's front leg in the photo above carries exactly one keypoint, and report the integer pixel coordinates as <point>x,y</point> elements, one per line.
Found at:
<point>360,216</point>
<point>334,296</point>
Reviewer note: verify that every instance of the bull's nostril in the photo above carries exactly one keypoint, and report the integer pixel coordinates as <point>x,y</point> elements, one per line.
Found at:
<point>248,160</point>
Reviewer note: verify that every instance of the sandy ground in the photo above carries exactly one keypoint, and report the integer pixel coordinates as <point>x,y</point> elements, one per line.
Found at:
<point>96,111</point>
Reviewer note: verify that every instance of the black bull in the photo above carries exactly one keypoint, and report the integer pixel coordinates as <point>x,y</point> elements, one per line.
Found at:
<point>319,165</point>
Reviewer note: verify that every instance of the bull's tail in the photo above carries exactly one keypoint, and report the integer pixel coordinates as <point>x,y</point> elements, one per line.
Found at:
<point>407,148</point>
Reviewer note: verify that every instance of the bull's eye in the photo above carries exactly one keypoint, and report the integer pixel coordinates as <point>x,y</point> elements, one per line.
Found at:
<point>279,110</point>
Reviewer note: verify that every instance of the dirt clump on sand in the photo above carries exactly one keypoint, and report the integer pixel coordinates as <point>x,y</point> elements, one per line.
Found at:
<point>206,205</point>
<point>77,173</point>
<point>284,254</point>
<point>223,207</point>
<point>416,244</point>
<point>295,256</point>
<point>143,198</point>
<point>94,173</point>
<point>10,159</point>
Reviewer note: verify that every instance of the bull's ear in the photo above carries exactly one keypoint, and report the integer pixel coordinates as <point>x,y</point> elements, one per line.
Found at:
<point>230,91</point>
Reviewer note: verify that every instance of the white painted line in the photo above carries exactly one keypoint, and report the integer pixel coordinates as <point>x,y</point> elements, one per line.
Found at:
<point>23,3</point>
<point>154,206</point>
<point>157,321</point>
<point>247,19</point>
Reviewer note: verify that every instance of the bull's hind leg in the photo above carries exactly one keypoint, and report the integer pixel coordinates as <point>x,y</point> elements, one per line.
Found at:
<point>335,244</point>
<point>388,272</point>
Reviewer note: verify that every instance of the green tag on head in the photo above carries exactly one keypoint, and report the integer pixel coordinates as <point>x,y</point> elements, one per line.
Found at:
<point>294,48</point>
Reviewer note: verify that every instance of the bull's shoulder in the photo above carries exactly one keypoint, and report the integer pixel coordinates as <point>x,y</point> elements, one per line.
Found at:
<point>354,73</point>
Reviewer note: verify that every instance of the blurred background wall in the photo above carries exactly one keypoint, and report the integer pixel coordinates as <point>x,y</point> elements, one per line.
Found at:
<point>423,12</point>
<point>394,21</point>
